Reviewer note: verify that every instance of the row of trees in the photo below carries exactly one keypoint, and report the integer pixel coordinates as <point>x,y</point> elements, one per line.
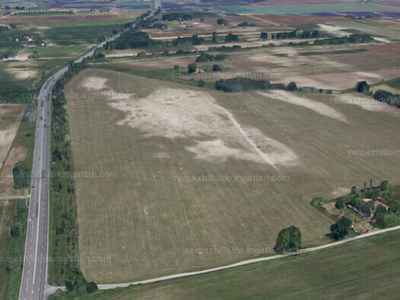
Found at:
<point>380,95</point>
<point>352,39</point>
<point>63,188</point>
<point>242,84</point>
<point>291,35</point>
<point>205,57</point>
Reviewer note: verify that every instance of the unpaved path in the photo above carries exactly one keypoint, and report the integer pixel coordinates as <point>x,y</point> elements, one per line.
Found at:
<point>245,262</point>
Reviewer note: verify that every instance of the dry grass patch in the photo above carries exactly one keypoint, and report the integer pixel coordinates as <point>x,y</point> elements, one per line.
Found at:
<point>174,148</point>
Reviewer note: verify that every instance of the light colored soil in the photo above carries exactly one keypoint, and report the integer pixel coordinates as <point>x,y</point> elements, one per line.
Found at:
<point>174,113</point>
<point>343,81</point>
<point>10,117</point>
<point>317,107</point>
<point>22,74</point>
<point>6,179</point>
<point>330,208</point>
<point>94,83</point>
<point>296,19</point>
<point>333,29</point>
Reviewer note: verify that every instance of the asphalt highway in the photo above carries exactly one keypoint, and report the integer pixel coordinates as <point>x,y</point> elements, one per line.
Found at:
<point>34,274</point>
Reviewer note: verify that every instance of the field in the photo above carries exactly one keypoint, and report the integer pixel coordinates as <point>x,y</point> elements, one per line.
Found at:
<point>168,150</point>
<point>296,19</point>
<point>17,146</point>
<point>333,67</point>
<point>303,8</point>
<point>65,40</point>
<point>365,269</point>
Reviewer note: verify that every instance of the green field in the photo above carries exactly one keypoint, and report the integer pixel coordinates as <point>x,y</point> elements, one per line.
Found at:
<point>363,269</point>
<point>145,221</point>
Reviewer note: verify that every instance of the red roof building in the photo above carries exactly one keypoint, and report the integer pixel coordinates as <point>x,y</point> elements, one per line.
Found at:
<point>373,221</point>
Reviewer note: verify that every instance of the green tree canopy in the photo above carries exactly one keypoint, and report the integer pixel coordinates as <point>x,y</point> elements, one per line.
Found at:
<point>341,229</point>
<point>289,239</point>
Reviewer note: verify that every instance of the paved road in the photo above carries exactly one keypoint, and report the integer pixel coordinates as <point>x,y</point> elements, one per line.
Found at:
<point>34,274</point>
<point>246,262</point>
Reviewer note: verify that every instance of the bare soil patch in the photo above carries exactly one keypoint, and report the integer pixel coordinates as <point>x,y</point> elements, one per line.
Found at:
<point>317,107</point>
<point>10,118</point>
<point>174,113</point>
<point>94,83</point>
<point>296,19</point>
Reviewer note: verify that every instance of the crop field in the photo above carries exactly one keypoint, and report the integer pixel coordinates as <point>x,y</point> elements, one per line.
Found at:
<point>11,150</point>
<point>303,8</point>
<point>64,42</point>
<point>357,270</point>
<point>296,19</point>
<point>333,67</point>
<point>169,151</point>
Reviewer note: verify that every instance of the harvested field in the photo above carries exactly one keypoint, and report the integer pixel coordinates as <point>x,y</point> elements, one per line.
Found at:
<point>392,49</point>
<point>344,80</point>
<point>333,67</point>
<point>172,150</point>
<point>56,19</point>
<point>6,179</point>
<point>335,273</point>
<point>296,19</point>
<point>10,118</point>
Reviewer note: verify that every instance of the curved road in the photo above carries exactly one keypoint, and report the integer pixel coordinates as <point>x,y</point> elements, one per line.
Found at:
<point>34,274</point>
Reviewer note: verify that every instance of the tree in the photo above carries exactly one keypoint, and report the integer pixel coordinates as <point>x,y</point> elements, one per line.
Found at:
<point>292,86</point>
<point>362,87</point>
<point>341,229</point>
<point>353,190</point>
<point>316,200</point>
<point>192,68</point>
<point>16,229</point>
<point>340,203</point>
<point>35,55</point>
<point>21,177</point>
<point>222,22</point>
<point>264,35</point>
<point>215,37</point>
<point>384,185</point>
<point>231,38</point>
<point>176,67</point>
<point>13,26</point>
<point>91,287</point>
<point>201,83</point>
<point>289,239</point>
<point>216,68</point>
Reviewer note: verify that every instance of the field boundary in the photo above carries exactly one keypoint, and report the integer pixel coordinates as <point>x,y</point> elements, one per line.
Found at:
<point>246,262</point>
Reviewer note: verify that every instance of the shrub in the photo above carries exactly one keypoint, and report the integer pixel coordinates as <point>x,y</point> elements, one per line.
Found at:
<point>289,239</point>
<point>201,83</point>
<point>216,68</point>
<point>192,68</point>
<point>21,177</point>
